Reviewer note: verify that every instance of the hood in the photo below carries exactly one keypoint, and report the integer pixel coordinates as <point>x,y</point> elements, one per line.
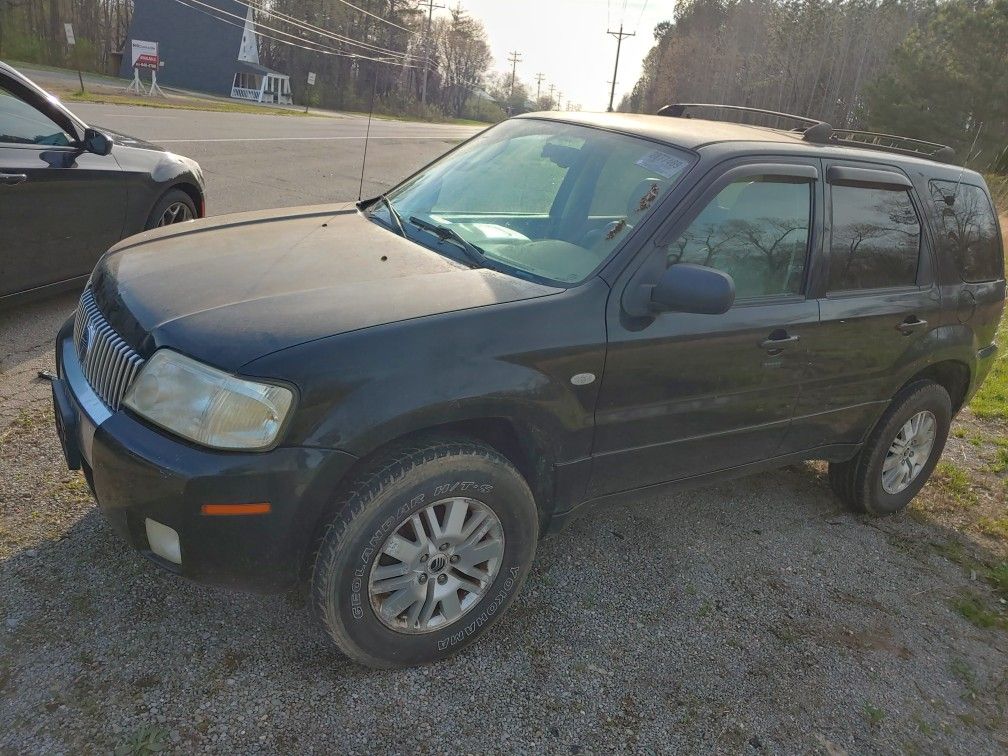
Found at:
<point>233,288</point>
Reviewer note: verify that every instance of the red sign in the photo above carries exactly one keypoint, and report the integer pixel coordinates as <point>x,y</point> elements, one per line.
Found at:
<point>145,54</point>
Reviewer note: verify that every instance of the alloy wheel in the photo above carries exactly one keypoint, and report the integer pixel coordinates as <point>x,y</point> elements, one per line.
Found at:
<point>909,452</point>
<point>176,212</point>
<point>436,566</point>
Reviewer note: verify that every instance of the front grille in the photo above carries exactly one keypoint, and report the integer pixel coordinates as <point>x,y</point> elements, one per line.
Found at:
<point>109,363</point>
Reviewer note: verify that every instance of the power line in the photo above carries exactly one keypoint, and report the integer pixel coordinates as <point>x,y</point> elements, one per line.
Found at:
<point>639,17</point>
<point>304,26</point>
<point>514,58</point>
<point>383,20</point>
<point>316,46</point>
<point>427,41</point>
<point>619,43</point>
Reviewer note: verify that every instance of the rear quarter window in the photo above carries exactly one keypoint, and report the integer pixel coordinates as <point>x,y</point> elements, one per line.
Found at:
<point>968,230</point>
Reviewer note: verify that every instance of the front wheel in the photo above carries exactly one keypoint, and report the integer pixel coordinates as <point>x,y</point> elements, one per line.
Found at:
<point>900,453</point>
<point>174,207</point>
<point>427,551</point>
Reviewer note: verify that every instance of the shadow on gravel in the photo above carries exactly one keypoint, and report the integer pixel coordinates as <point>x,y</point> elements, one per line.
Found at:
<point>752,616</point>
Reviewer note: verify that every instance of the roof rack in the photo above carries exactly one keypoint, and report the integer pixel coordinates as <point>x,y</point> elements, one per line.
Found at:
<point>893,143</point>
<point>820,132</point>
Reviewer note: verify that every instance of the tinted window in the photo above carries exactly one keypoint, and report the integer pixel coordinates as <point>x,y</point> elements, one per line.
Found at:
<point>876,239</point>
<point>756,230</point>
<point>20,123</point>
<point>969,230</point>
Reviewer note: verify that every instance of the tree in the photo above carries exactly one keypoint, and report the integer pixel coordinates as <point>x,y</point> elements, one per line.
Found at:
<point>464,55</point>
<point>948,81</point>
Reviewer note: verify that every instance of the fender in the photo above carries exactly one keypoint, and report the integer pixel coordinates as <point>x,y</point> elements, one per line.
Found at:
<point>364,389</point>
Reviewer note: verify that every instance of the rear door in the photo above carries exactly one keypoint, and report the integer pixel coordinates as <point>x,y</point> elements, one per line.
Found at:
<point>60,207</point>
<point>687,394</point>
<point>878,300</point>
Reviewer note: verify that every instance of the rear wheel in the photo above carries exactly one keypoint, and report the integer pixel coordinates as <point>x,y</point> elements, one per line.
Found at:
<point>900,453</point>
<point>174,207</point>
<point>427,551</point>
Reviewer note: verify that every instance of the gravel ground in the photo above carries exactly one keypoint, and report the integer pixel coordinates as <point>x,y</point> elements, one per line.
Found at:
<point>751,617</point>
<point>754,617</point>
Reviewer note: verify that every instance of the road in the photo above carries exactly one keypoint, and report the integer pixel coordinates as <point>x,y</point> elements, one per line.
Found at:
<point>251,162</point>
<point>254,162</point>
<point>753,617</point>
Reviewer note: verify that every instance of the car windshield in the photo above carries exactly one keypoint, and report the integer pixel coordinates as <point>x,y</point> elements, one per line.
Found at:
<point>548,199</point>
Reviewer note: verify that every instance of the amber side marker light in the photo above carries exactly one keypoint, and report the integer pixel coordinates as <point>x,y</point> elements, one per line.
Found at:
<point>236,509</point>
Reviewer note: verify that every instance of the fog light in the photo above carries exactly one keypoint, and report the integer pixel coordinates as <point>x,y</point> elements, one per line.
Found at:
<point>164,541</point>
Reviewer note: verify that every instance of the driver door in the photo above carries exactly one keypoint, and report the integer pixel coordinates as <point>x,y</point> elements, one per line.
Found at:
<point>61,208</point>
<point>687,394</point>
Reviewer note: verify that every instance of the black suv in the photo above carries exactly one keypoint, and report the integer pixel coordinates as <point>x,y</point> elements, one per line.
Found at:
<point>392,402</point>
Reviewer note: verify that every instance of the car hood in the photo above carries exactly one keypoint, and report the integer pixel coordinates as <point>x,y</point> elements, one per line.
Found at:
<point>233,288</point>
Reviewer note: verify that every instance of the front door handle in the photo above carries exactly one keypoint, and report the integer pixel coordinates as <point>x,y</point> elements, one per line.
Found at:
<point>777,341</point>
<point>10,179</point>
<point>910,325</point>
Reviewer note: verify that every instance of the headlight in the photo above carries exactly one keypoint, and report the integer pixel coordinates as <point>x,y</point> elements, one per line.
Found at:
<point>207,405</point>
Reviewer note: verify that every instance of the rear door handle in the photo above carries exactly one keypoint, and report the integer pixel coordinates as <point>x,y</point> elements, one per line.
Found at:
<point>910,325</point>
<point>777,341</point>
<point>10,179</point>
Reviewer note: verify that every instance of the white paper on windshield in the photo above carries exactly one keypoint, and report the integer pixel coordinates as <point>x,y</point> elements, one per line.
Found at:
<point>662,162</point>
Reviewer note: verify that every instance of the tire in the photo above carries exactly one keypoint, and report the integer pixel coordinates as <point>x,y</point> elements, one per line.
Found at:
<point>173,204</point>
<point>860,482</point>
<point>355,559</point>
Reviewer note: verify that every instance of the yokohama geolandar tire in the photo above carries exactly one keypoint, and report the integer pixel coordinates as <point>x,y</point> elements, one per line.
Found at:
<point>900,453</point>
<point>426,551</point>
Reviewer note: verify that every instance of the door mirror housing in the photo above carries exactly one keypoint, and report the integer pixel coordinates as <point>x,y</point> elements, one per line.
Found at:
<point>686,287</point>
<point>96,142</point>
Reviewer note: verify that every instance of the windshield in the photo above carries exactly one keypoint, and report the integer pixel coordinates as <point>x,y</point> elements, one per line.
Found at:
<point>548,199</point>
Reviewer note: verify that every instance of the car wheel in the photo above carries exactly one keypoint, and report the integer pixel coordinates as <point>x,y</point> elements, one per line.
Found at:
<point>900,453</point>
<point>425,553</point>
<point>174,207</point>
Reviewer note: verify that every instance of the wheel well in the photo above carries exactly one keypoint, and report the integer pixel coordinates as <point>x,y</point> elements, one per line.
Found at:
<point>952,375</point>
<point>194,194</point>
<point>530,457</point>
<point>519,446</point>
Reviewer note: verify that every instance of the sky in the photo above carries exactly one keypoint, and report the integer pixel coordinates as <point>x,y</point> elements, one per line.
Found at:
<point>566,40</point>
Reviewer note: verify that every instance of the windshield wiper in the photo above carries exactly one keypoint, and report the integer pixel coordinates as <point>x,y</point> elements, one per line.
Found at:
<point>444,233</point>
<point>394,215</point>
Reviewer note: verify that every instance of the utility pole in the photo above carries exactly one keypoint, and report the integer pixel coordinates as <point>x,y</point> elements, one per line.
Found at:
<point>514,58</point>
<point>426,65</point>
<point>539,80</point>
<point>559,99</point>
<point>619,43</point>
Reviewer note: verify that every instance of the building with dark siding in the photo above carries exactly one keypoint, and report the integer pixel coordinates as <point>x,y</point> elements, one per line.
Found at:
<point>213,50</point>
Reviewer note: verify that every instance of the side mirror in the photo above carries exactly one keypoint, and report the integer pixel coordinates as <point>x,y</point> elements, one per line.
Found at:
<point>96,142</point>
<point>686,287</point>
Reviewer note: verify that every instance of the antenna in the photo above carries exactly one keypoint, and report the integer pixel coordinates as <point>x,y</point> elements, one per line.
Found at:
<point>969,156</point>
<point>367,135</point>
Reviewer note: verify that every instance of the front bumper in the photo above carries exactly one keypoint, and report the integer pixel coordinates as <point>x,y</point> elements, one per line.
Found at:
<point>137,472</point>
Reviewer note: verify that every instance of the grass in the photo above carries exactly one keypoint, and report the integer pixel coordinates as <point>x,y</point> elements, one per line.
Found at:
<point>974,610</point>
<point>991,401</point>
<point>1000,462</point>
<point>217,106</point>
<point>954,482</point>
<point>995,527</point>
<point>874,714</point>
<point>145,741</point>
